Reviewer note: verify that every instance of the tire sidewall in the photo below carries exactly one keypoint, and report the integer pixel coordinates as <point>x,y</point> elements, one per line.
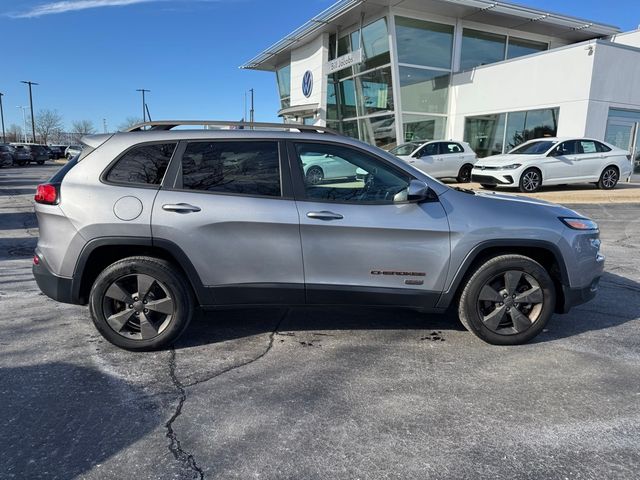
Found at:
<point>521,182</point>
<point>161,271</point>
<point>601,184</point>
<point>491,269</point>
<point>465,169</point>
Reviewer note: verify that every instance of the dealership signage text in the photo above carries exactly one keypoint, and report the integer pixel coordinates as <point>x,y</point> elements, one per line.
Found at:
<point>345,61</point>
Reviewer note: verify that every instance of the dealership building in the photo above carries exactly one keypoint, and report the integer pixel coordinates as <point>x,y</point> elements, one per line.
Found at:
<point>491,73</point>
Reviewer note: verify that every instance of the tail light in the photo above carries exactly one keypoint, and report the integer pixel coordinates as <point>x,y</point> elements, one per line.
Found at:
<point>47,194</point>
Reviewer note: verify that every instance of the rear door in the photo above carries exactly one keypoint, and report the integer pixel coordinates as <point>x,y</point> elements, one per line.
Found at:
<point>362,242</point>
<point>452,158</point>
<point>228,206</point>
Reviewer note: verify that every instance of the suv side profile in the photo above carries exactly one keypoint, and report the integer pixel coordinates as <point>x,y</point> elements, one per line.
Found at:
<point>146,225</point>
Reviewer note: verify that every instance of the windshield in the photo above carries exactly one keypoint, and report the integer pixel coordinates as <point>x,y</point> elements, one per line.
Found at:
<point>533,148</point>
<point>404,149</point>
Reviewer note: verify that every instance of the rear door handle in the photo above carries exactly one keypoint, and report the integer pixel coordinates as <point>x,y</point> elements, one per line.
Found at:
<point>324,215</point>
<point>180,208</point>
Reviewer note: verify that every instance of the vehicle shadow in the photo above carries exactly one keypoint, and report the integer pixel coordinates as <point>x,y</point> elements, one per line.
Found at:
<point>52,428</point>
<point>605,311</point>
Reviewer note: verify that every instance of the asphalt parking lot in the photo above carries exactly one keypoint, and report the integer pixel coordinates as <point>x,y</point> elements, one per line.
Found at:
<point>317,393</point>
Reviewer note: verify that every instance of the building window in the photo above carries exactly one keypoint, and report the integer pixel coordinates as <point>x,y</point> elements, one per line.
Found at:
<point>360,98</point>
<point>481,48</point>
<point>423,127</point>
<point>519,47</point>
<point>424,90</point>
<point>283,76</point>
<point>498,133</point>
<point>424,43</point>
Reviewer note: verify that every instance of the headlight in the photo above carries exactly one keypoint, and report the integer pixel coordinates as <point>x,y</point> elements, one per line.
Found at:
<point>510,167</point>
<point>579,223</point>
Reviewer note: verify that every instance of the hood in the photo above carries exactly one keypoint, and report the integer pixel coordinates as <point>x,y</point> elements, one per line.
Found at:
<point>500,160</point>
<point>559,210</point>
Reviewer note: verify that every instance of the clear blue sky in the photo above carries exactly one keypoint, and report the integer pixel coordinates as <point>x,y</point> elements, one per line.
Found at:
<point>90,61</point>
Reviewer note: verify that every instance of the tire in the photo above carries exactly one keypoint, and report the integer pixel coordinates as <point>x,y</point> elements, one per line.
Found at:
<point>315,175</point>
<point>488,186</point>
<point>609,178</point>
<point>464,175</point>
<point>136,326</point>
<point>530,180</point>
<point>488,314</point>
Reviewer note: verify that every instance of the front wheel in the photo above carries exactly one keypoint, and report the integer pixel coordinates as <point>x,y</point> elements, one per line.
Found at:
<point>530,180</point>
<point>315,175</point>
<point>464,175</point>
<point>609,178</point>
<point>508,300</point>
<point>141,303</point>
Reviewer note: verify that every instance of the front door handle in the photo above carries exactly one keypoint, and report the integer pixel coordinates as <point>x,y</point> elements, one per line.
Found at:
<point>180,208</point>
<point>324,215</point>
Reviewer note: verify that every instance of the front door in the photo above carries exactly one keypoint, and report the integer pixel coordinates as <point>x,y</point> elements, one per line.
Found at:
<point>427,159</point>
<point>228,212</point>
<point>562,164</point>
<point>362,241</point>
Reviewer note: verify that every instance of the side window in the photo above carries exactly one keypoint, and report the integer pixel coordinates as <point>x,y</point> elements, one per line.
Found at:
<point>335,173</point>
<point>430,149</point>
<point>450,148</point>
<point>567,148</point>
<point>234,167</point>
<point>602,148</point>
<point>588,146</point>
<point>143,165</point>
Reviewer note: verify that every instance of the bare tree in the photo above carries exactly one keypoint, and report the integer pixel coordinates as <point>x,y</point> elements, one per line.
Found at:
<point>48,123</point>
<point>14,133</point>
<point>128,123</point>
<point>81,128</point>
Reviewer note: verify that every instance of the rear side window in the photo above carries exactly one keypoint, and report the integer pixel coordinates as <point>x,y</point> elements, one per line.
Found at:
<point>241,168</point>
<point>588,146</point>
<point>602,147</point>
<point>143,165</point>
<point>449,148</point>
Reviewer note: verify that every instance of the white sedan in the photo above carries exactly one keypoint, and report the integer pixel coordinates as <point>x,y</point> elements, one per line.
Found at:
<point>439,158</point>
<point>319,168</point>
<point>555,161</point>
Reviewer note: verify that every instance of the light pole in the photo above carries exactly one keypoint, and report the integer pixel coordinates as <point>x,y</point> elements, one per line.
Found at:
<point>144,103</point>
<point>24,123</point>
<point>251,112</point>
<point>4,137</point>
<point>33,121</point>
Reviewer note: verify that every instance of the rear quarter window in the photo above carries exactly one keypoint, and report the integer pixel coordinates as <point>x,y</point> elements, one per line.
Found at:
<point>142,165</point>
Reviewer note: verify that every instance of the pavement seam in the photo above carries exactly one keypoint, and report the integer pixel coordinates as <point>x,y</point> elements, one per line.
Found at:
<point>175,447</point>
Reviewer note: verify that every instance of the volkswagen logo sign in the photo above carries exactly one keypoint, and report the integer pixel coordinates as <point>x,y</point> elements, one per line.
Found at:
<point>307,83</point>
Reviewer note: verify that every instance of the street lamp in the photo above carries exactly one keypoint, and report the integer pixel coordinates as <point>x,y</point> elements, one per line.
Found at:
<point>4,138</point>
<point>144,103</point>
<point>33,121</point>
<point>24,123</point>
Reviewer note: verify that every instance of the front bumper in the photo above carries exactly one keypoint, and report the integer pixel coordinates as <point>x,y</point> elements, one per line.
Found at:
<point>487,178</point>
<point>577,296</point>
<point>53,286</point>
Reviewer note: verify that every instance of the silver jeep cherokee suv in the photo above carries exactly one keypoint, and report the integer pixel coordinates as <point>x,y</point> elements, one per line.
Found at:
<point>145,225</point>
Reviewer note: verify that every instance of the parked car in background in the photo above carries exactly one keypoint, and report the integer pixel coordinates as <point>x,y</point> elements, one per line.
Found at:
<point>6,155</point>
<point>54,152</point>
<point>439,158</point>
<point>555,161</point>
<point>71,151</point>
<point>30,153</point>
<point>322,168</point>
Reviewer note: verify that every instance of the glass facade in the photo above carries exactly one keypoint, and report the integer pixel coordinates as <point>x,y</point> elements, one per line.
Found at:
<point>498,133</point>
<point>482,48</point>
<point>519,47</point>
<point>623,131</point>
<point>283,76</point>
<point>435,42</point>
<point>360,99</point>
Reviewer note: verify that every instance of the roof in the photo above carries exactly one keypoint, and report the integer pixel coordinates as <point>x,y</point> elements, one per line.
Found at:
<point>503,14</point>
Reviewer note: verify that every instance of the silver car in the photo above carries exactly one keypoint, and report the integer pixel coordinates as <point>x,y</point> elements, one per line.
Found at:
<point>146,225</point>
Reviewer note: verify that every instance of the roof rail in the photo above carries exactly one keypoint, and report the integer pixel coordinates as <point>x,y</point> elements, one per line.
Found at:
<point>171,124</point>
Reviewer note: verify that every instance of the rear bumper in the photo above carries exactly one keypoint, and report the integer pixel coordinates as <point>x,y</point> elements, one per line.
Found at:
<point>57,288</point>
<point>577,296</point>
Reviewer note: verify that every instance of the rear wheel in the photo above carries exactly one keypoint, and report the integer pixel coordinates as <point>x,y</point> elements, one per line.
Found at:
<point>141,303</point>
<point>464,175</point>
<point>530,180</point>
<point>609,178</point>
<point>508,300</point>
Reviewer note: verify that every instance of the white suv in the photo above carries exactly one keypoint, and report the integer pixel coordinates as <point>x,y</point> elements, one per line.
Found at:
<point>555,161</point>
<point>439,158</point>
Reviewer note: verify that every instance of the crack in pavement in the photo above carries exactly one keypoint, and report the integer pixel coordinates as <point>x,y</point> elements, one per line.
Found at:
<point>175,447</point>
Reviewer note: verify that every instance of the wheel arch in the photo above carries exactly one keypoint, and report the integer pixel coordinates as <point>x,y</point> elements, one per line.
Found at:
<point>102,252</point>
<point>543,252</point>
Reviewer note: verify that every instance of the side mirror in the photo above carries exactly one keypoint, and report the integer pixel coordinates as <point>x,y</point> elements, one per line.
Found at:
<point>417,191</point>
